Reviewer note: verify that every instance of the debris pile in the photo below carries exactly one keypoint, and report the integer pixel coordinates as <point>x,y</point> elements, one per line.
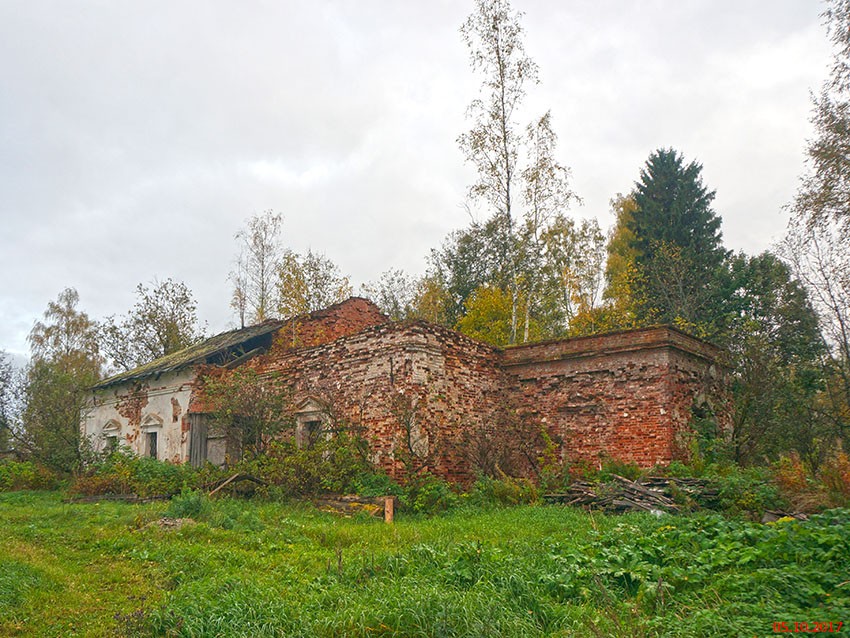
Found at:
<point>219,485</point>
<point>652,494</point>
<point>350,505</point>
<point>166,522</point>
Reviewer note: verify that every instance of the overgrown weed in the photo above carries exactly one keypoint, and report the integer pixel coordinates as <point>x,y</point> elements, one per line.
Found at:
<point>277,569</point>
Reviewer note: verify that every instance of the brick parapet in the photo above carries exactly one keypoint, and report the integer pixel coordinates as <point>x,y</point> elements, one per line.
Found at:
<point>625,395</point>
<point>610,343</point>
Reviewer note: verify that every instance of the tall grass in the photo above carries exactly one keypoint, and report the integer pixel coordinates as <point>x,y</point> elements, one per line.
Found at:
<point>266,569</point>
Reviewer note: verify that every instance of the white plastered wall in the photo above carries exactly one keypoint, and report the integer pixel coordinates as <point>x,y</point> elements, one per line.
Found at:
<point>131,411</point>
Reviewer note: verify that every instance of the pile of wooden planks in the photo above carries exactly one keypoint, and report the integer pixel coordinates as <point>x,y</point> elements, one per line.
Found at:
<point>702,492</point>
<point>653,494</point>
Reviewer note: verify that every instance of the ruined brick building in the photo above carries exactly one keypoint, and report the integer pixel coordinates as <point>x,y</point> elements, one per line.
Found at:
<point>426,395</point>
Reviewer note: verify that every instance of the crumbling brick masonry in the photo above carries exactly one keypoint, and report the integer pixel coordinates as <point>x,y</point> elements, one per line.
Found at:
<point>426,397</point>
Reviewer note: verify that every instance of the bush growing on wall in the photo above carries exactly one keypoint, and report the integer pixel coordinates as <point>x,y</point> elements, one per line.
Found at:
<point>251,408</point>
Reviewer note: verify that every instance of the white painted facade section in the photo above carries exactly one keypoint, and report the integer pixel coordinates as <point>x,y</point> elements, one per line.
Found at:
<point>145,417</point>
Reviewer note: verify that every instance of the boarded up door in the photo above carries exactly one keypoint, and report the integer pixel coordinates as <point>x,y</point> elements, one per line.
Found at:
<point>198,431</point>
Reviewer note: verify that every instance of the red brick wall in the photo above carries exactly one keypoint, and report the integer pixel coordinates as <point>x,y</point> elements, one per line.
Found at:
<point>345,318</point>
<point>402,383</point>
<point>625,395</point>
<point>598,345</point>
<point>429,398</point>
<point>697,382</point>
<point>342,319</point>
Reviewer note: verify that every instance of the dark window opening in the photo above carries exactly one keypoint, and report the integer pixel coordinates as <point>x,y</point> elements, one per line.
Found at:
<point>152,444</point>
<point>111,444</point>
<point>312,429</point>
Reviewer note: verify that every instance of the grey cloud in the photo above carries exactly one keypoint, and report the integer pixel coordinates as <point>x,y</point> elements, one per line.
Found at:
<point>136,138</point>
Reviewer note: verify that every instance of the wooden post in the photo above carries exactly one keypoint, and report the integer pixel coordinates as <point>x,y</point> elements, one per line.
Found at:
<point>389,506</point>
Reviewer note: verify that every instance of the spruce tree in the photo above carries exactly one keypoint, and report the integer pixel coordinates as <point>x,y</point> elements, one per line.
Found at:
<point>677,243</point>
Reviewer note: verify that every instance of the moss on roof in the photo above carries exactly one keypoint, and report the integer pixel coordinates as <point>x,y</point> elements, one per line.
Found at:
<point>220,348</point>
<point>207,351</point>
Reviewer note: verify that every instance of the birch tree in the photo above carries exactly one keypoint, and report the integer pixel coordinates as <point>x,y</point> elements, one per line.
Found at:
<point>820,258</point>
<point>546,194</point>
<point>518,177</point>
<point>824,193</point>
<point>494,36</point>
<point>255,274</point>
<point>66,362</point>
<point>395,293</point>
<point>573,267</point>
<point>308,283</point>
<point>817,246</point>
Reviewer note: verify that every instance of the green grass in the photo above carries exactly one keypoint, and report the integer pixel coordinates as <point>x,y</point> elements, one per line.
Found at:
<point>267,569</point>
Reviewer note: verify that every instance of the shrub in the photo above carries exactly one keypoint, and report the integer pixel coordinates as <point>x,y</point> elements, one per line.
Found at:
<point>153,478</point>
<point>629,470</point>
<point>189,504</point>
<point>504,491</point>
<point>428,494</point>
<point>749,491</point>
<point>376,483</point>
<point>26,476</point>
<point>797,487</point>
<point>99,484</point>
<point>330,465</point>
<point>790,474</point>
<point>554,477</point>
<point>835,477</point>
<point>343,460</point>
<point>112,475</point>
<point>676,469</point>
<point>581,470</point>
<point>124,473</point>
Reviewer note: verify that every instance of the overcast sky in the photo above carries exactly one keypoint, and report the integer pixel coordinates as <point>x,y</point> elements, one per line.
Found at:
<point>136,138</point>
